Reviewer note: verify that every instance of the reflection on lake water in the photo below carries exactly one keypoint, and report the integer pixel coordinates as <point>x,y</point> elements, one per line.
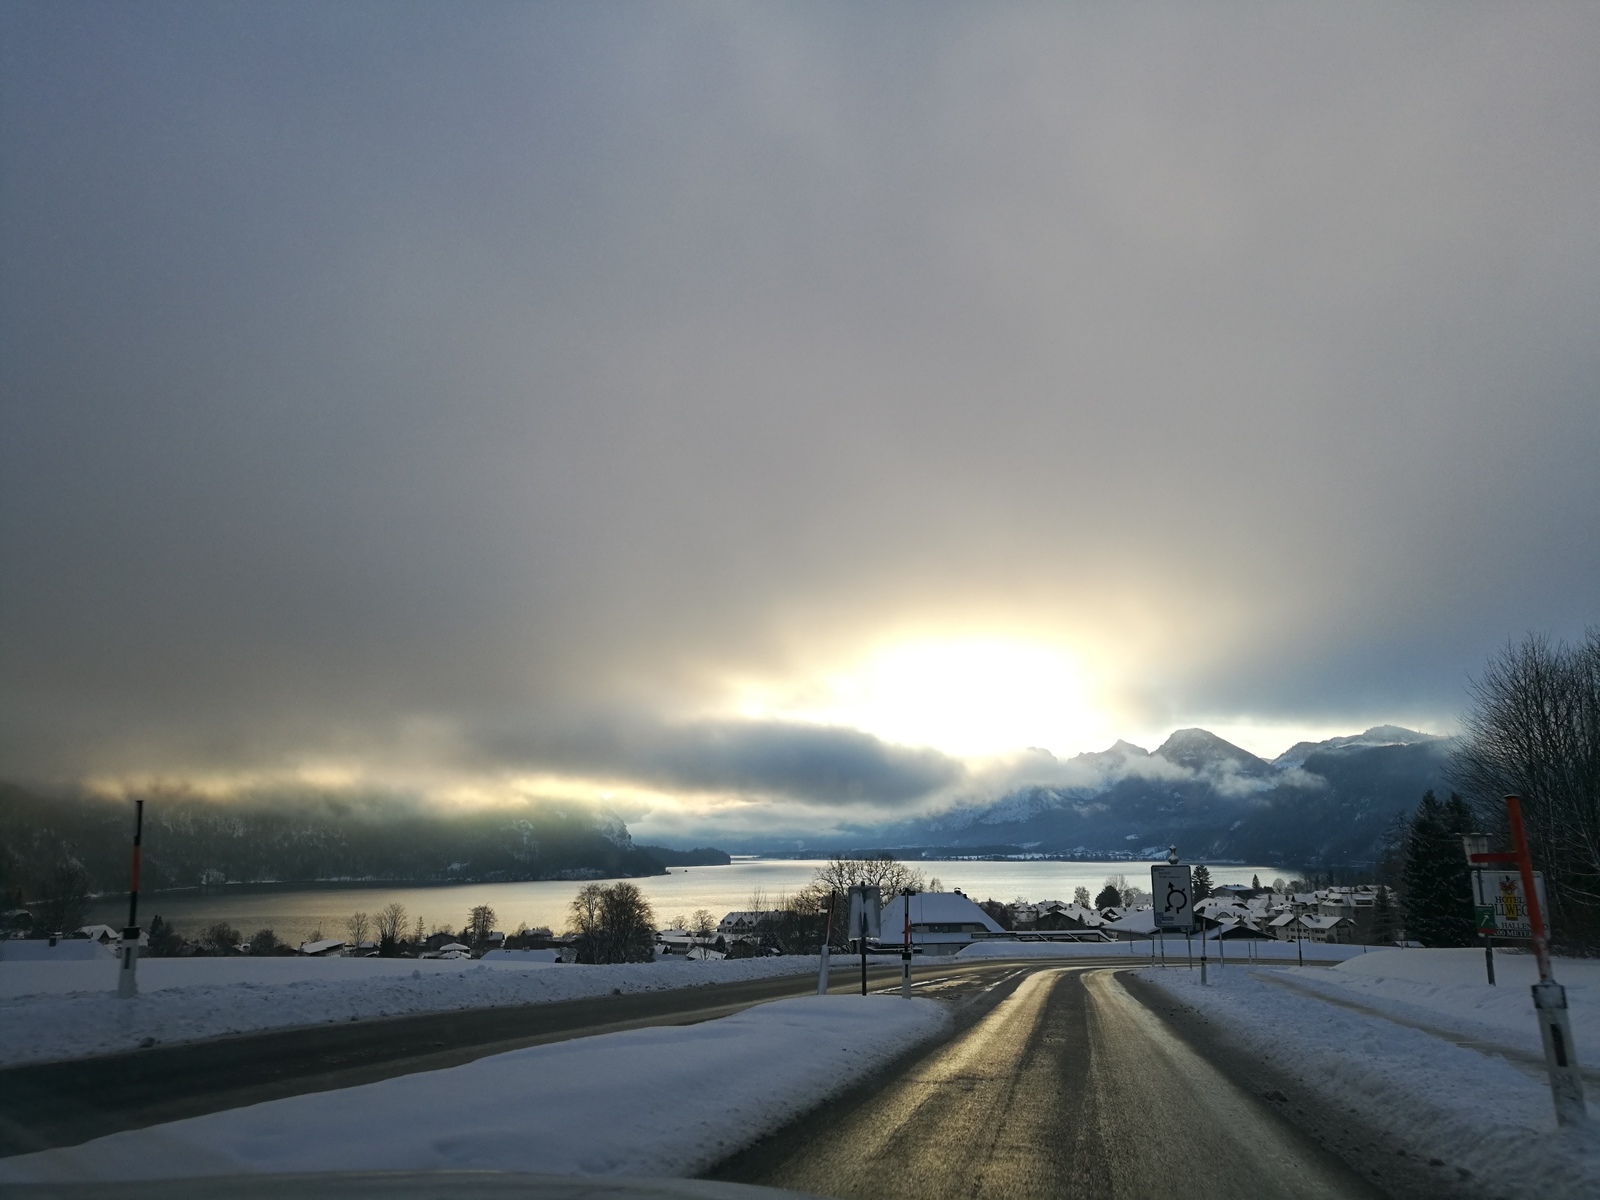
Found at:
<point>295,914</point>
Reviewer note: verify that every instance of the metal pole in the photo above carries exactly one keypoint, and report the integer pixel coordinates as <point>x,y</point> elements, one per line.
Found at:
<point>1202,953</point>
<point>905,954</point>
<point>1549,997</point>
<point>822,970</point>
<point>127,977</point>
<point>863,945</point>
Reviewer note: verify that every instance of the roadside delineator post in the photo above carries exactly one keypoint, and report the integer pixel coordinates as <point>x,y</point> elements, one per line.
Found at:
<point>822,970</point>
<point>905,954</point>
<point>1549,997</point>
<point>127,975</point>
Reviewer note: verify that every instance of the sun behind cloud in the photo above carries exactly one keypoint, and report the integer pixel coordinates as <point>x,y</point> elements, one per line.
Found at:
<point>970,697</point>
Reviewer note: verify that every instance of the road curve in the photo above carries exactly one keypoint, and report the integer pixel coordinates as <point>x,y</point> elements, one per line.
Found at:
<point>1069,1087</point>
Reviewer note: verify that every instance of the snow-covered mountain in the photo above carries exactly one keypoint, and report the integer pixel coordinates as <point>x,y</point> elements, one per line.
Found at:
<point>1319,802</point>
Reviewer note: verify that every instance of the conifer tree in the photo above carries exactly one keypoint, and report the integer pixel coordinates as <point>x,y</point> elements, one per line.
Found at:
<point>1438,908</point>
<point>1201,883</point>
<point>1385,928</point>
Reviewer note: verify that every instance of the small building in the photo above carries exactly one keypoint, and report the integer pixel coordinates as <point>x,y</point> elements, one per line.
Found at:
<point>326,948</point>
<point>941,923</point>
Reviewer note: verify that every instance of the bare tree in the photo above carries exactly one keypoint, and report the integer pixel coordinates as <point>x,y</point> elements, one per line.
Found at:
<point>358,927</point>
<point>62,898</point>
<point>391,924</point>
<point>614,924</point>
<point>480,923</point>
<point>1533,731</point>
<point>1081,897</point>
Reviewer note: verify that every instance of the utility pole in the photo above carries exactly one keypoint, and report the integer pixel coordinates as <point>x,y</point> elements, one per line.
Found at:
<point>127,980</point>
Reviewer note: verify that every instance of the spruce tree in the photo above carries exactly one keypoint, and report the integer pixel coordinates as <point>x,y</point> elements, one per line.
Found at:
<point>1201,883</point>
<point>1384,926</point>
<point>1438,904</point>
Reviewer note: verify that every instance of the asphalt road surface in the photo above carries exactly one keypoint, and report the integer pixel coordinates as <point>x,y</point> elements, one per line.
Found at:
<point>64,1104</point>
<point>1068,1087</point>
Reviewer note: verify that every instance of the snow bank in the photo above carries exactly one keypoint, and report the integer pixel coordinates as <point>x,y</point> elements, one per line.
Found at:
<point>664,1101</point>
<point>70,1010</point>
<point>1472,1112</point>
<point>1236,951</point>
<point>1449,989</point>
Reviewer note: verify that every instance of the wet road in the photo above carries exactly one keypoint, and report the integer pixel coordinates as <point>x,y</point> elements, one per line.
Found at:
<point>1068,1087</point>
<point>64,1104</point>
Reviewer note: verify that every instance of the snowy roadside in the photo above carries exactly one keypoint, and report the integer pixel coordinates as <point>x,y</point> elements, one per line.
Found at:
<point>64,1015</point>
<point>1139,951</point>
<point>1448,990</point>
<point>663,1101</point>
<point>1471,1116</point>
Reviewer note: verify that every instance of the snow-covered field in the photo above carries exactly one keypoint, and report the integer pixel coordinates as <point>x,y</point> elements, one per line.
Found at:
<point>1473,1112</point>
<point>1235,952</point>
<point>70,1010</point>
<point>664,1101</point>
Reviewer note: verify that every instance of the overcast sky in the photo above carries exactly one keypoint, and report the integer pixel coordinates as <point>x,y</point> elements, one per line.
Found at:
<point>763,415</point>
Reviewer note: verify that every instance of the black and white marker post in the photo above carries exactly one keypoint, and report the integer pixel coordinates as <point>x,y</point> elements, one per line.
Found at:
<point>905,953</point>
<point>1549,997</point>
<point>822,971</point>
<point>127,981</point>
<point>863,952</point>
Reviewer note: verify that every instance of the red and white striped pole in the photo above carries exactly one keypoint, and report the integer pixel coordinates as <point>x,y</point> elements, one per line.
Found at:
<point>127,980</point>
<point>1549,997</point>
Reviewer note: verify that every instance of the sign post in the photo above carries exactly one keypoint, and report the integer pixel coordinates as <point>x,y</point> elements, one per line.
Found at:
<point>127,977</point>
<point>1172,891</point>
<point>865,921</point>
<point>1477,848</point>
<point>1549,997</point>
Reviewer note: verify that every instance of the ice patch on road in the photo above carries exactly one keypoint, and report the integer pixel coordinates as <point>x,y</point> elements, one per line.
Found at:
<point>1470,1111</point>
<point>661,1101</point>
<point>52,1011</point>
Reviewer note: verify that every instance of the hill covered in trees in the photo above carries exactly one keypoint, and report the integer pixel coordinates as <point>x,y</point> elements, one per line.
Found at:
<point>189,841</point>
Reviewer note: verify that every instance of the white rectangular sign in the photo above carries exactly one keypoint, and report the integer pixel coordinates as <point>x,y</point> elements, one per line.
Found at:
<point>1172,888</point>
<point>864,904</point>
<point>1501,892</point>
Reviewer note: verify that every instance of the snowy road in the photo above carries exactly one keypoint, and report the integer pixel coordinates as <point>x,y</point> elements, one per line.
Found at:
<point>62,1104</point>
<point>1068,1087</point>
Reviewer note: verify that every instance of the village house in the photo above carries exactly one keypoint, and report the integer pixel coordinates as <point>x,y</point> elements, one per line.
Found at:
<point>941,923</point>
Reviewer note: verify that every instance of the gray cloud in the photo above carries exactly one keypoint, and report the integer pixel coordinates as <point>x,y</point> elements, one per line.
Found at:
<point>373,369</point>
<point>759,759</point>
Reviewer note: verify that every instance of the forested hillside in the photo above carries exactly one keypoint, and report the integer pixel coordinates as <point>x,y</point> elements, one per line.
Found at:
<point>189,841</point>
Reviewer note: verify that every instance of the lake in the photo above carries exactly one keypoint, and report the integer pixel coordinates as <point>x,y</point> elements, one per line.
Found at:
<point>294,913</point>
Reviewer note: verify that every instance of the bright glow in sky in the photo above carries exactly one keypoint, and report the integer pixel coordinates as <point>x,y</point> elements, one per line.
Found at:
<point>969,697</point>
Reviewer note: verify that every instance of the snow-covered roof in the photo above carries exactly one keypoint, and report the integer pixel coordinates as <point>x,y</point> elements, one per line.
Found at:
<point>1313,922</point>
<point>454,946</point>
<point>322,947</point>
<point>935,908</point>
